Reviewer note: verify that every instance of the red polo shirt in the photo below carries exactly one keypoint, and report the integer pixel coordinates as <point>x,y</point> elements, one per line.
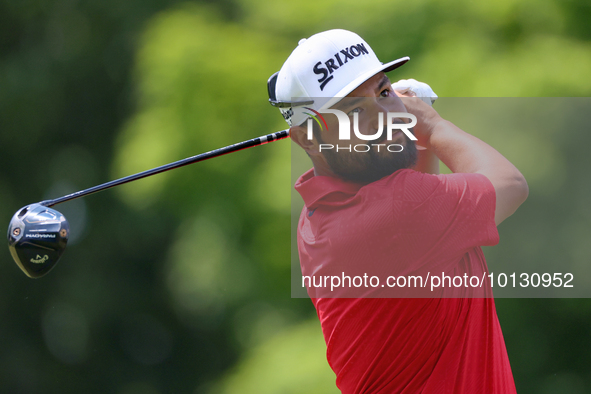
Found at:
<point>406,224</point>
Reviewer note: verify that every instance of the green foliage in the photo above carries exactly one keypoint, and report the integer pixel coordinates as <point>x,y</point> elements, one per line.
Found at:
<point>180,282</point>
<point>290,362</point>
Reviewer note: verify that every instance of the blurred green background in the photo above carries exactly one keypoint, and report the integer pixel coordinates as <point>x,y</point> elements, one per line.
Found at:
<point>181,283</point>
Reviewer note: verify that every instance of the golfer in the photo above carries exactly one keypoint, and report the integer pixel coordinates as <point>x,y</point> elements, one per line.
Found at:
<point>373,211</point>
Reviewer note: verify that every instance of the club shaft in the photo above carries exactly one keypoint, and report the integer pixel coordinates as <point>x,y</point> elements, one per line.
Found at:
<point>167,167</point>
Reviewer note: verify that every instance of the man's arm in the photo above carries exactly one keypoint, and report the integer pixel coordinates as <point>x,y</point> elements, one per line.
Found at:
<point>462,152</point>
<point>427,161</point>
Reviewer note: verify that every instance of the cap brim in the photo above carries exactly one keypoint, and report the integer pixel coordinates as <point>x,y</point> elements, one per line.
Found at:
<point>364,77</point>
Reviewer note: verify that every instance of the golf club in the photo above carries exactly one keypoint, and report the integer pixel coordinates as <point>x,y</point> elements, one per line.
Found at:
<point>38,234</point>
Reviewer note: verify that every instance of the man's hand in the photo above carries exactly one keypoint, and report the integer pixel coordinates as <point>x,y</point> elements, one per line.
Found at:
<point>413,92</point>
<point>414,88</point>
<point>427,119</point>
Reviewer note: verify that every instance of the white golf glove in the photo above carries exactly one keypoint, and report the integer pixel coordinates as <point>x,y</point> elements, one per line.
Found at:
<point>420,89</point>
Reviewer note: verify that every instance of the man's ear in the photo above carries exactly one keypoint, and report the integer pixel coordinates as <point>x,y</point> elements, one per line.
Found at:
<point>299,134</point>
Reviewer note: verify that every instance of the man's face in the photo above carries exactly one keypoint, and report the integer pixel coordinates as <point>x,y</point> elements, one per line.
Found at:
<point>370,101</point>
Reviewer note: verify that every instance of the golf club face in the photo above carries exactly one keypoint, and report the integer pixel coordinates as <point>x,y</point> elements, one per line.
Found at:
<point>37,237</point>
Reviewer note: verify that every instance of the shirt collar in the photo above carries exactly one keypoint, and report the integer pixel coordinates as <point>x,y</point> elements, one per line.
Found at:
<point>332,191</point>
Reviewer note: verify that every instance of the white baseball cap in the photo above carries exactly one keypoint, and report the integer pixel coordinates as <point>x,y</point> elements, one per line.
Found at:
<point>328,65</point>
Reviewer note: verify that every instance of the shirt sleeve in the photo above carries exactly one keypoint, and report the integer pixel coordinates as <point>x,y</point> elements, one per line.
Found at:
<point>469,209</point>
<point>443,216</point>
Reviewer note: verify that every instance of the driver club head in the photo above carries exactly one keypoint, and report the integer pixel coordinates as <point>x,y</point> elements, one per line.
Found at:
<point>37,237</point>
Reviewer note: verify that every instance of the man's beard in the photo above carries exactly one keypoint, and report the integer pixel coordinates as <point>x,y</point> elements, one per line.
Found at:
<point>368,167</point>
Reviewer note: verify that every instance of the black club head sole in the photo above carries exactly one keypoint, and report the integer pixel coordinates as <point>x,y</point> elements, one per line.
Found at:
<point>37,237</point>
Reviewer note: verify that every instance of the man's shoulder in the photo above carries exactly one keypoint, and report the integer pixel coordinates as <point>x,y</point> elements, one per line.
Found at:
<point>403,183</point>
<point>413,188</point>
<point>410,178</point>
